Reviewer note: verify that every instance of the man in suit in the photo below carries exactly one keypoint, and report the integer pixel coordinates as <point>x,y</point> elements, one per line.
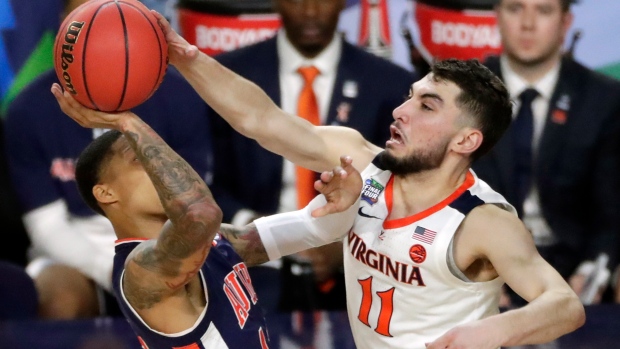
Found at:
<point>353,88</point>
<point>559,163</point>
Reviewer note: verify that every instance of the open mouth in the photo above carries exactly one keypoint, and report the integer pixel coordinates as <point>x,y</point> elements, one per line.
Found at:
<point>395,135</point>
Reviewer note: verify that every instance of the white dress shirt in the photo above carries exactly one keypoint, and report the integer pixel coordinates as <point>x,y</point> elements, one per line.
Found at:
<point>291,84</point>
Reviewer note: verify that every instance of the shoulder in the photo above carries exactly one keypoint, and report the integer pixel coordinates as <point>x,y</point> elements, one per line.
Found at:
<point>590,78</point>
<point>489,227</point>
<point>490,216</point>
<point>493,63</point>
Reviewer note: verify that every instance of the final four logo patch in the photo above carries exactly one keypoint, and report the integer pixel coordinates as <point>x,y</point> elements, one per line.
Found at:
<point>371,191</point>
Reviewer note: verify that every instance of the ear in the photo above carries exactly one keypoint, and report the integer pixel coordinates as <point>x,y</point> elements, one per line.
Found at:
<point>104,194</point>
<point>468,140</point>
<point>567,22</point>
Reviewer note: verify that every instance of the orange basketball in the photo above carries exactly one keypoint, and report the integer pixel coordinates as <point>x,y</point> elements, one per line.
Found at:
<point>111,55</point>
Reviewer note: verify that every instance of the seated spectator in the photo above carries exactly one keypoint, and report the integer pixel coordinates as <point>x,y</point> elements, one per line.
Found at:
<point>559,163</point>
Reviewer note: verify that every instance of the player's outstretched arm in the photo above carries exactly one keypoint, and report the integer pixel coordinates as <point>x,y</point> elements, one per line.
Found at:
<point>158,268</point>
<point>553,308</point>
<point>325,219</point>
<point>251,112</point>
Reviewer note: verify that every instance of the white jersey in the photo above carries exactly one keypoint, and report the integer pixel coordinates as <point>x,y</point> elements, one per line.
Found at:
<point>401,292</point>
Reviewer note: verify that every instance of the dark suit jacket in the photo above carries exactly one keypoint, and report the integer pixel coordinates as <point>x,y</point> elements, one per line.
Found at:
<point>248,176</point>
<point>577,168</point>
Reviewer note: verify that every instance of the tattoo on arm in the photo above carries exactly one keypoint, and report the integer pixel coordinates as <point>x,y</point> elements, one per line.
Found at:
<point>189,205</point>
<point>246,242</point>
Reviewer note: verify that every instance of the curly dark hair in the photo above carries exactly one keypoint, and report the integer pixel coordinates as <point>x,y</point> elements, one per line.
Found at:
<point>483,96</point>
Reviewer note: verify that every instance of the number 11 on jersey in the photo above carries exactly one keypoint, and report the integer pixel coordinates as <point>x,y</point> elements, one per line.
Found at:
<point>387,307</point>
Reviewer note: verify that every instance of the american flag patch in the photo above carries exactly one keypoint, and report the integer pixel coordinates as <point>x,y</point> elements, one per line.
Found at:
<point>424,235</point>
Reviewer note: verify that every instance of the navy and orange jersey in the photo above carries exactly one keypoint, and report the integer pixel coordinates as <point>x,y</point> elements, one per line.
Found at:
<point>232,317</point>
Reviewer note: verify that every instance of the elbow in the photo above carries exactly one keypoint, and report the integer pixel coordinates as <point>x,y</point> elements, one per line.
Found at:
<point>247,123</point>
<point>206,214</point>
<point>580,315</point>
<point>253,124</point>
<point>576,313</point>
<point>211,215</point>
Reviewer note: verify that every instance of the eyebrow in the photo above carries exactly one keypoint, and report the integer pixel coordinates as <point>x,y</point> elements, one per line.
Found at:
<point>433,96</point>
<point>125,149</point>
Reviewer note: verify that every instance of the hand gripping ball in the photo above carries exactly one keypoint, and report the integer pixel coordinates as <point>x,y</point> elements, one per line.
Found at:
<point>111,55</point>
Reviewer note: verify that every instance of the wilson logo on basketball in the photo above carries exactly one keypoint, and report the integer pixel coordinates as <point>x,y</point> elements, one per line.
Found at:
<point>71,37</point>
<point>417,253</point>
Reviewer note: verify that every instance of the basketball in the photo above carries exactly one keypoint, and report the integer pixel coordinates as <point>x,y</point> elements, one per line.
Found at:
<point>111,55</point>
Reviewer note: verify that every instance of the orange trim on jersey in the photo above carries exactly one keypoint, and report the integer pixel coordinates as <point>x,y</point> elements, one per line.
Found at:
<point>120,241</point>
<point>389,195</point>
<point>401,222</point>
<point>191,346</point>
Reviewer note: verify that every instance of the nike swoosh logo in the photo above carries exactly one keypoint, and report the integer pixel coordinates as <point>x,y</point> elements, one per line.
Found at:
<point>359,212</point>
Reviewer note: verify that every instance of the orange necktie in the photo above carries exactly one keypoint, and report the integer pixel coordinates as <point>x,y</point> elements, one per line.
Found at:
<point>307,108</point>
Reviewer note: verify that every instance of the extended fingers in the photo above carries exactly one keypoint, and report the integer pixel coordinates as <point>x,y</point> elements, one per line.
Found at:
<point>345,160</point>
<point>162,21</point>
<point>66,103</point>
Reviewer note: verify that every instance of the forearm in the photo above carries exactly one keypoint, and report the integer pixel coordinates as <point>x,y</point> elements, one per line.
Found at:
<point>287,233</point>
<point>272,237</point>
<point>182,192</point>
<point>252,113</point>
<point>247,243</point>
<point>239,101</point>
<point>546,318</point>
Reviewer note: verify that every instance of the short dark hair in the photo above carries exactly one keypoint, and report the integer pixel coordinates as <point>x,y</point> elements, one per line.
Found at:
<point>89,165</point>
<point>567,3</point>
<point>483,96</point>
<point>564,4</point>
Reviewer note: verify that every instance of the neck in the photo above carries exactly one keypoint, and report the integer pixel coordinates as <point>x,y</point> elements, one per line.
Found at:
<point>532,72</point>
<point>142,227</point>
<point>418,192</point>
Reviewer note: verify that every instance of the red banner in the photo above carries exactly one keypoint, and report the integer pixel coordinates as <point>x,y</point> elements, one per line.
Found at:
<point>213,34</point>
<point>456,34</point>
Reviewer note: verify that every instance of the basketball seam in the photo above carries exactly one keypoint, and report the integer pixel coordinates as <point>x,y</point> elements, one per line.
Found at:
<point>126,37</point>
<point>161,59</point>
<point>84,77</point>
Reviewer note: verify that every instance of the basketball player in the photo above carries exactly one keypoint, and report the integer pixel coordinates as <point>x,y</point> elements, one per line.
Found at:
<point>432,244</point>
<point>178,282</point>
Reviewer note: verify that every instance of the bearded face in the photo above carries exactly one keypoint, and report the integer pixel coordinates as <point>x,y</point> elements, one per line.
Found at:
<point>416,162</point>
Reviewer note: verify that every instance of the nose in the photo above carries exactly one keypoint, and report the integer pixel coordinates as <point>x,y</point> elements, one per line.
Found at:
<point>309,7</point>
<point>528,19</point>
<point>399,112</point>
